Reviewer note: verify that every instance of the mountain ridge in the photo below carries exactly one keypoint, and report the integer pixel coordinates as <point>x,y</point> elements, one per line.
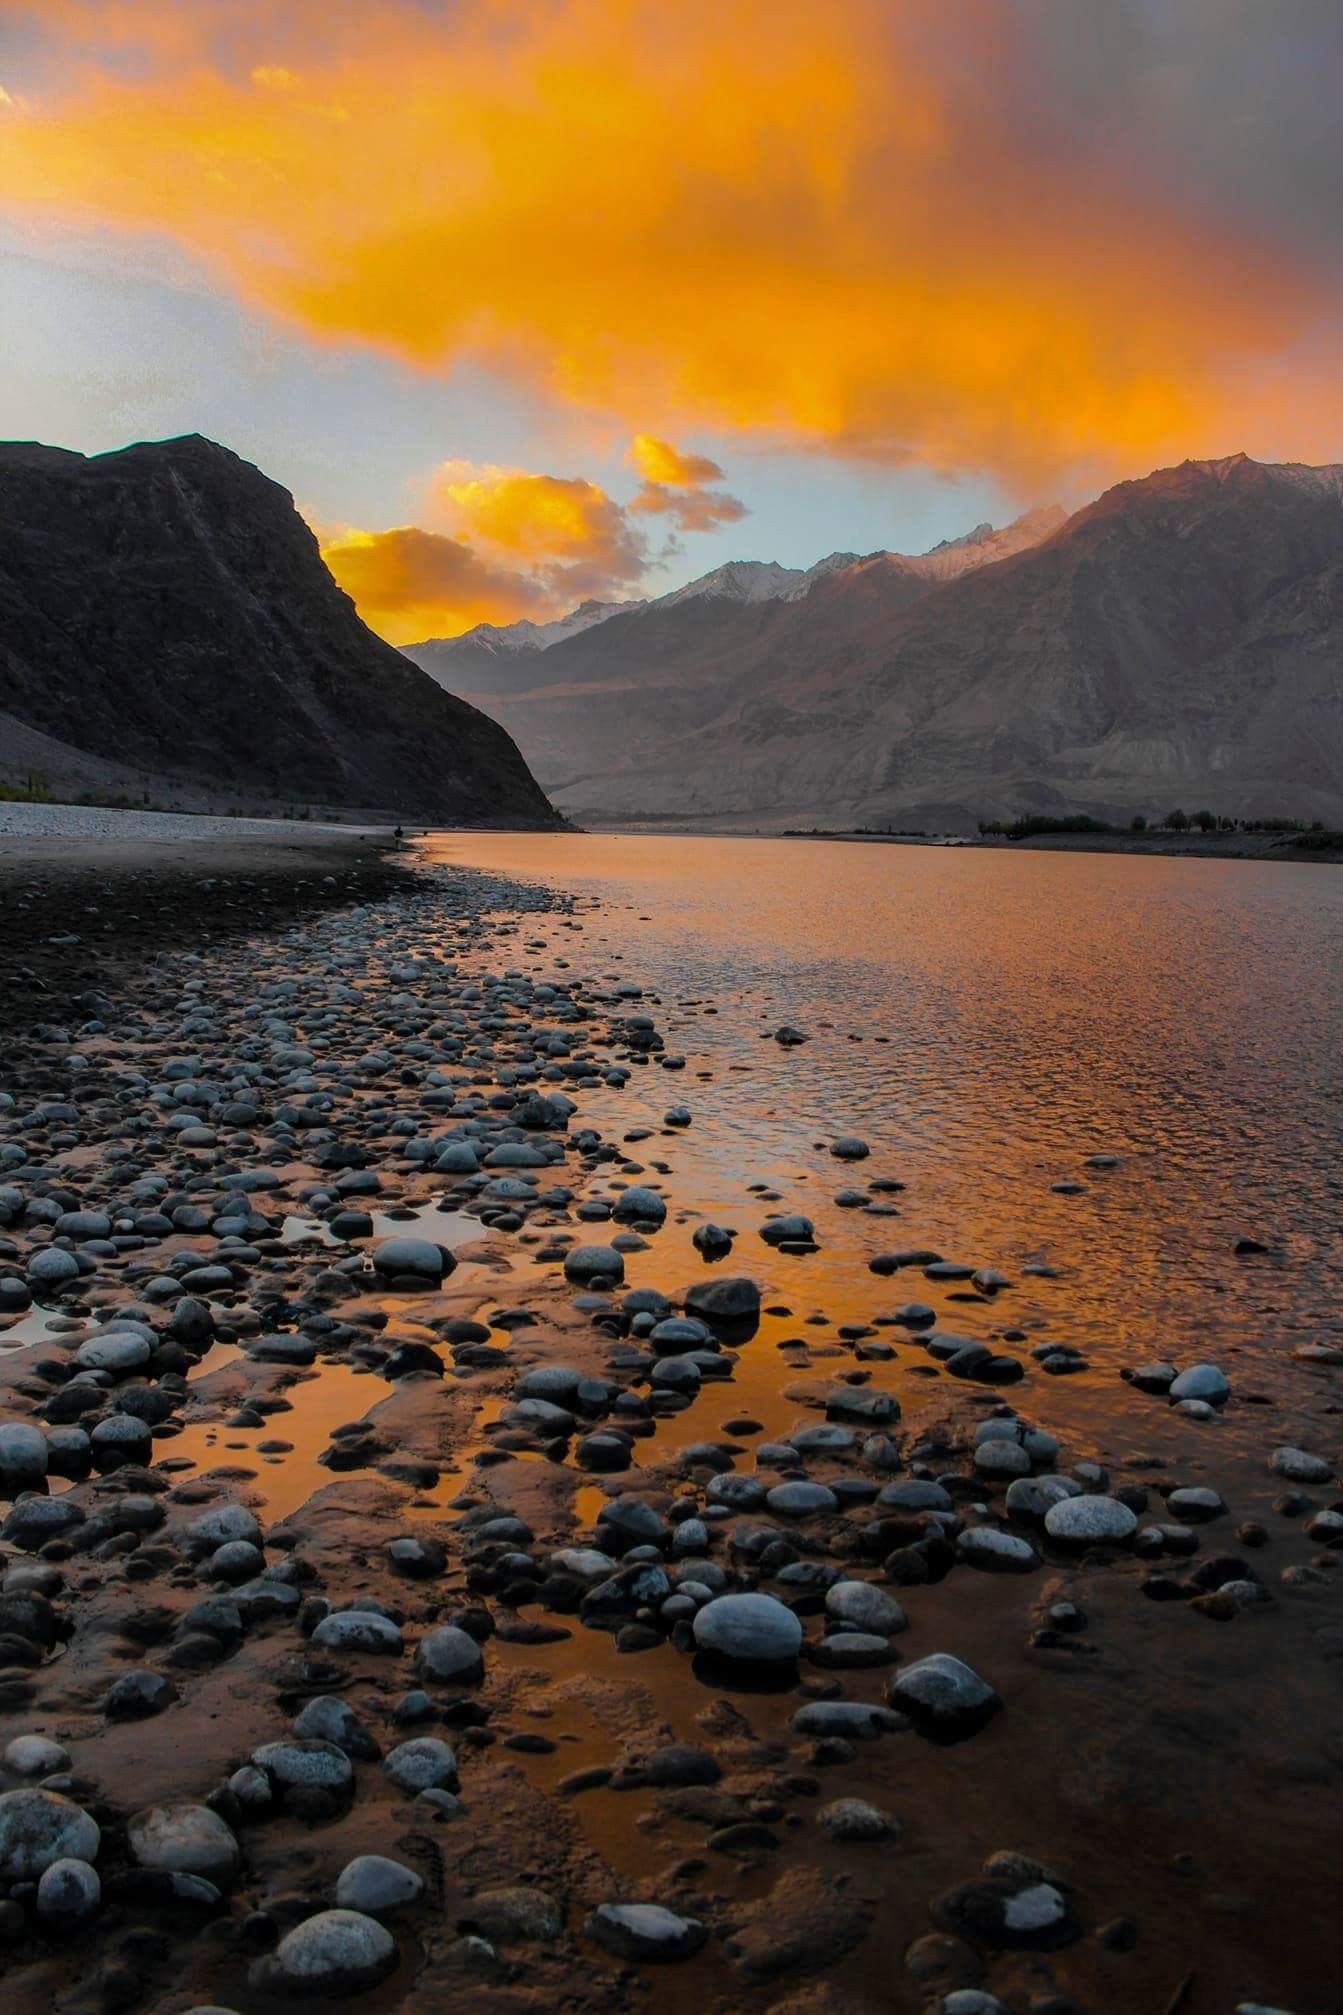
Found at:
<point>165,615</point>
<point>1180,636</point>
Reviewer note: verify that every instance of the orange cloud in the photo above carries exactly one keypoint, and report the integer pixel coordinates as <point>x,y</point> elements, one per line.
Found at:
<point>409,584</point>
<point>675,487</point>
<point>852,228</point>
<point>512,544</point>
<point>565,527</point>
<point>659,462</point>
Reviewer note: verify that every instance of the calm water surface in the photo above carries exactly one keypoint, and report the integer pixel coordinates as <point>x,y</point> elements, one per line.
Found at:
<point>987,1021</point>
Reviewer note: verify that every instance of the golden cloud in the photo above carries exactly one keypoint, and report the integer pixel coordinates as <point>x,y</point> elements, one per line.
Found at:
<point>660,463</point>
<point>511,544</point>
<point>827,227</point>
<point>567,529</point>
<point>409,584</point>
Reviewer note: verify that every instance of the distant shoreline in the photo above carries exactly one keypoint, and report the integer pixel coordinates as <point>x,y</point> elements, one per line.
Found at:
<point>1193,846</point>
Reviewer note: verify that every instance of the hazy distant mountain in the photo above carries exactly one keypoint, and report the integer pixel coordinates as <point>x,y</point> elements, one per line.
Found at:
<point>510,640</point>
<point>499,659</point>
<point>166,618</point>
<point>1180,639</point>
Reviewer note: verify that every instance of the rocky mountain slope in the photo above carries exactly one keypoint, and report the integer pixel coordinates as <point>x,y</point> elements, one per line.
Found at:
<point>1179,640</point>
<point>165,616</point>
<point>503,659</point>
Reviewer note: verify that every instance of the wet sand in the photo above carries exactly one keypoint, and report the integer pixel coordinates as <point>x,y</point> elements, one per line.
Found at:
<point>1169,1769</point>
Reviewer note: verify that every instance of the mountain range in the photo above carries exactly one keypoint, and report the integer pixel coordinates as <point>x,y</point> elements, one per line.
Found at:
<point>167,625</point>
<point>1178,640</point>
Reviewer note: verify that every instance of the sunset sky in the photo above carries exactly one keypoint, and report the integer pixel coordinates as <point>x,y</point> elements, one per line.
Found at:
<point>528,300</point>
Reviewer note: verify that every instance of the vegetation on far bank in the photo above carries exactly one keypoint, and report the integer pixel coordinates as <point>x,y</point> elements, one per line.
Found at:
<point>1313,834</point>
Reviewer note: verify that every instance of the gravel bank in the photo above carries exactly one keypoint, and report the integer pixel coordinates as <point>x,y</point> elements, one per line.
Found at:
<point>101,822</point>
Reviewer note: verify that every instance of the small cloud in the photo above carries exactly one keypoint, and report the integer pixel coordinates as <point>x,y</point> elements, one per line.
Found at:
<point>273,77</point>
<point>675,487</point>
<point>408,583</point>
<point>689,510</point>
<point>659,462</point>
<point>566,529</point>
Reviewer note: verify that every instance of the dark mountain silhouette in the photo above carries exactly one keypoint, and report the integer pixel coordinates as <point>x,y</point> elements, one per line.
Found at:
<point>166,616</point>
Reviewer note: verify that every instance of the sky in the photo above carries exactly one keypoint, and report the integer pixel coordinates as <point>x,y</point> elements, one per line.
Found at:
<point>533,300</point>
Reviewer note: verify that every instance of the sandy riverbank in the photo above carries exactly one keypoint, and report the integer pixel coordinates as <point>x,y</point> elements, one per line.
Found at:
<point>89,897</point>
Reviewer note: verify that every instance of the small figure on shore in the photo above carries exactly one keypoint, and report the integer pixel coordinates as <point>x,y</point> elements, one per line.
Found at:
<point>399,836</point>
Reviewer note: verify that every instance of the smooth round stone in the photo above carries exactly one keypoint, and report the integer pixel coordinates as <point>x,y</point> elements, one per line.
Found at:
<point>184,1840</point>
<point>513,1913</point>
<point>748,1629</point>
<point>34,1520</point>
<point>943,1697</point>
<point>374,1884</point>
<point>337,1952</point>
<point>645,1932</point>
<point>1032,1496</point>
<point>1202,1381</point>
<point>422,1764</point>
<point>1298,1466</point>
<point>52,1267</point>
<point>358,1630</point>
<point>850,1720</point>
<point>792,1228</point>
<point>864,1606</point>
<point>418,1257</point>
<point>216,1527</point>
<point>1195,1505</point>
<point>35,1756</point>
<point>996,1552</point>
<point>23,1452</point>
<point>996,1457</point>
<point>305,1765</point>
<point>449,1656</point>
<point>586,1263</point>
<point>913,1493</point>
<point>732,1298</point>
<point>854,1821</point>
<point>38,1828</point>
<point>115,1350</point>
<point>68,1892</point>
<point>800,1500</point>
<point>849,1148</point>
<point>850,1650</point>
<point>1090,1521</point>
<point>640,1206</point>
<point>122,1437</point>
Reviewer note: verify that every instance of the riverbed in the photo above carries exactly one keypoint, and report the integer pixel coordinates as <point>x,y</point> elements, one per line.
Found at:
<point>1046,1122</point>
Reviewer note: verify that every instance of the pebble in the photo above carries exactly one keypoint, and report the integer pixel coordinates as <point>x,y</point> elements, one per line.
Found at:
<point>422,1763</point>
<point>336,1952</point>
<point>68,1892</point>
<point>1299,1467</point>
<point>1090,1521</point>
<point>854,1820</point>
<point>376,1886</point>
<point>944,1697</point>
<point>450,1657</point>
<point>38,1828</point>
<point>645,1932</point>
<point>1202,1381</point>
<point>748,1629</point>
<point>185,1840</point>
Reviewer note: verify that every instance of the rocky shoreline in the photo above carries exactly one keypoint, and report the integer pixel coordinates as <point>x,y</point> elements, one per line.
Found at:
<point>373,1623</point>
